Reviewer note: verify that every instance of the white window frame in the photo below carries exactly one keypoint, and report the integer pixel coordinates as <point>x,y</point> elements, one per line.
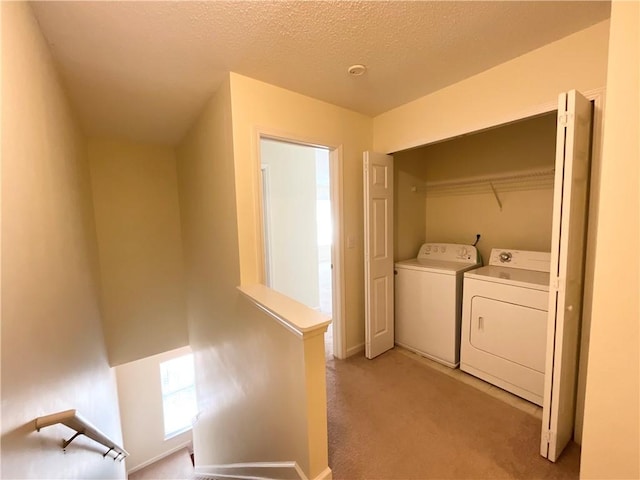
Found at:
<point>169,394</point>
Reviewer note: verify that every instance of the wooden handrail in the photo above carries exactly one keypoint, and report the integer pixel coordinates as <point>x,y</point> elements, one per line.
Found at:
<point>75,421</point>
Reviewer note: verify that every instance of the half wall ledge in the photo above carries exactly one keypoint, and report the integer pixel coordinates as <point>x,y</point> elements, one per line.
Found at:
<point>305,322</point>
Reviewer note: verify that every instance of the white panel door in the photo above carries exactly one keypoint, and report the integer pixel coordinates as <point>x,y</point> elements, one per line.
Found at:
<point>567,260</point>
<point>378,253</point>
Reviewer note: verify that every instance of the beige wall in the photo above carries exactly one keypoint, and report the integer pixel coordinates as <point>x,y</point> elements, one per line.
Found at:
<point>611,438</point>
<point>523,223</point>
<point>410,214</point>
<point>262,107</point>
<point>501,94</point>
<point>250,371</point>
<point>53,351</point>
<point>524,145</point>
<point>292,228</point>
<point>135,197</point>
<point>141,410</point>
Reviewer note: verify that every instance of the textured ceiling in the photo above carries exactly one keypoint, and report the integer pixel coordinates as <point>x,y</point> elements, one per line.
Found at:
<point>143,70</point>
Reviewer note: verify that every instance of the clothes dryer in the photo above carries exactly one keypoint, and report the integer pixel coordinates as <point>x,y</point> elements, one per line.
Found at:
<point>428,300</point>
<point>504,322</point>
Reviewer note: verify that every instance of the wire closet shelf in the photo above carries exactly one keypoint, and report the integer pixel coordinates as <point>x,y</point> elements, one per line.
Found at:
<point>502,182</point>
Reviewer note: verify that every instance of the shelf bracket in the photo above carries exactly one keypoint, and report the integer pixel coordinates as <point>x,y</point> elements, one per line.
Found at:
<point>495,194</point>
<point>65,443</point>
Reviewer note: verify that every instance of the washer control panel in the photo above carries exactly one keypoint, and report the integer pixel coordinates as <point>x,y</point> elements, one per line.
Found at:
<point>522,259</point>
<point>452,252</point>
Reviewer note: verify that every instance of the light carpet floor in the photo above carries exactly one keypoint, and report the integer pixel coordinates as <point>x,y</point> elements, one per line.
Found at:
<point>395,418</point>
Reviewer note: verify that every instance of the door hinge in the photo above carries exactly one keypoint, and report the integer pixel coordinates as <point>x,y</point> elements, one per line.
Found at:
<point>555,283</point>
<point>548,436</point>
<point>563,119</point>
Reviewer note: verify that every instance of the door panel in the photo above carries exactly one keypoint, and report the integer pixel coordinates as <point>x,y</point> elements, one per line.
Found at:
<point>567,261</point>
<point>381,288</point>
<point>378,248</point>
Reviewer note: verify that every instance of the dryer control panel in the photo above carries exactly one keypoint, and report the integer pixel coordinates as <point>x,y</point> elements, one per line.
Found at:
<point>451,252</point>
<point>523,259</point>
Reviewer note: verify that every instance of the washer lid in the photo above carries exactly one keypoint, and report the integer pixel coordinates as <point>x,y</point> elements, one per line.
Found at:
<point>435,266</point>
<point>511,276</point>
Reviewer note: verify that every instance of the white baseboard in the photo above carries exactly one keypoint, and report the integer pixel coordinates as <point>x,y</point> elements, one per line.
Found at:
<point>355,350</point>
<point>257,471</point>
<point>325,475</point>
<point>159,457</point>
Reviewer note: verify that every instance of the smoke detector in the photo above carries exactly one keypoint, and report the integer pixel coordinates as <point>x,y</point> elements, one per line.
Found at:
<point>357,70</point>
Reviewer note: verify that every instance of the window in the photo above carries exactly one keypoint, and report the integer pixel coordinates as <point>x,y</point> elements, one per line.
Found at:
<point>177,380</point>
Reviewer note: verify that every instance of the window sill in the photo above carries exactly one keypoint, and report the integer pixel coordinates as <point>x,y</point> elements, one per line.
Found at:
<point>177,433</point>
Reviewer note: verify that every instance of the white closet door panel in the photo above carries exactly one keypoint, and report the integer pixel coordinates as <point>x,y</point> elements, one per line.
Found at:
<point>378,246</point>
<point>567,260</point>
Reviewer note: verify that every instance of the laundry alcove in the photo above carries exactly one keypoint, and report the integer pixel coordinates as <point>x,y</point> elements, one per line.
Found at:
<point>469,163</point>
<point>499,183</point>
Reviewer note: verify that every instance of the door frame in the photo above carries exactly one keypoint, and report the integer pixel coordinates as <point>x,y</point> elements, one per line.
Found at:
<point>265,191</point>
<point>337,247</point>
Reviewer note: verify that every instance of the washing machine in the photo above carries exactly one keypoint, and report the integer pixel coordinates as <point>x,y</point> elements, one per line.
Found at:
<point>428,300</point>
<point>504,321</point>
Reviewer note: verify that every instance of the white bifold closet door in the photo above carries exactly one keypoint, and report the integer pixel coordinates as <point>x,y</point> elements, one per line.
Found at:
<point>378,253</point>
<point>567,271</point>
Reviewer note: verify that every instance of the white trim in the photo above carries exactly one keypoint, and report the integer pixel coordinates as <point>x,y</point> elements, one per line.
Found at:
<point>326,474</point>
<point>256,471</point>
<point>177,433</point>
<point>157,458</point>
<point>598,97</point>
<point>338,307</point>
<point>355,350</point>
<point>288,137</point>
<point>265,191</point>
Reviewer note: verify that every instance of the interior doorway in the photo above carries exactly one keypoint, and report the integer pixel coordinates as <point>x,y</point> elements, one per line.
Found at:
<point>298,224</point>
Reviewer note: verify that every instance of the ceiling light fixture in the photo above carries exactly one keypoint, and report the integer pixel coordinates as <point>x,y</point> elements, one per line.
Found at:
<point>357,70</point>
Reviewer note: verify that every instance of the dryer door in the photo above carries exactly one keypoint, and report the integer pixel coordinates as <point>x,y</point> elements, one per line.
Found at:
<point>515,333</point>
